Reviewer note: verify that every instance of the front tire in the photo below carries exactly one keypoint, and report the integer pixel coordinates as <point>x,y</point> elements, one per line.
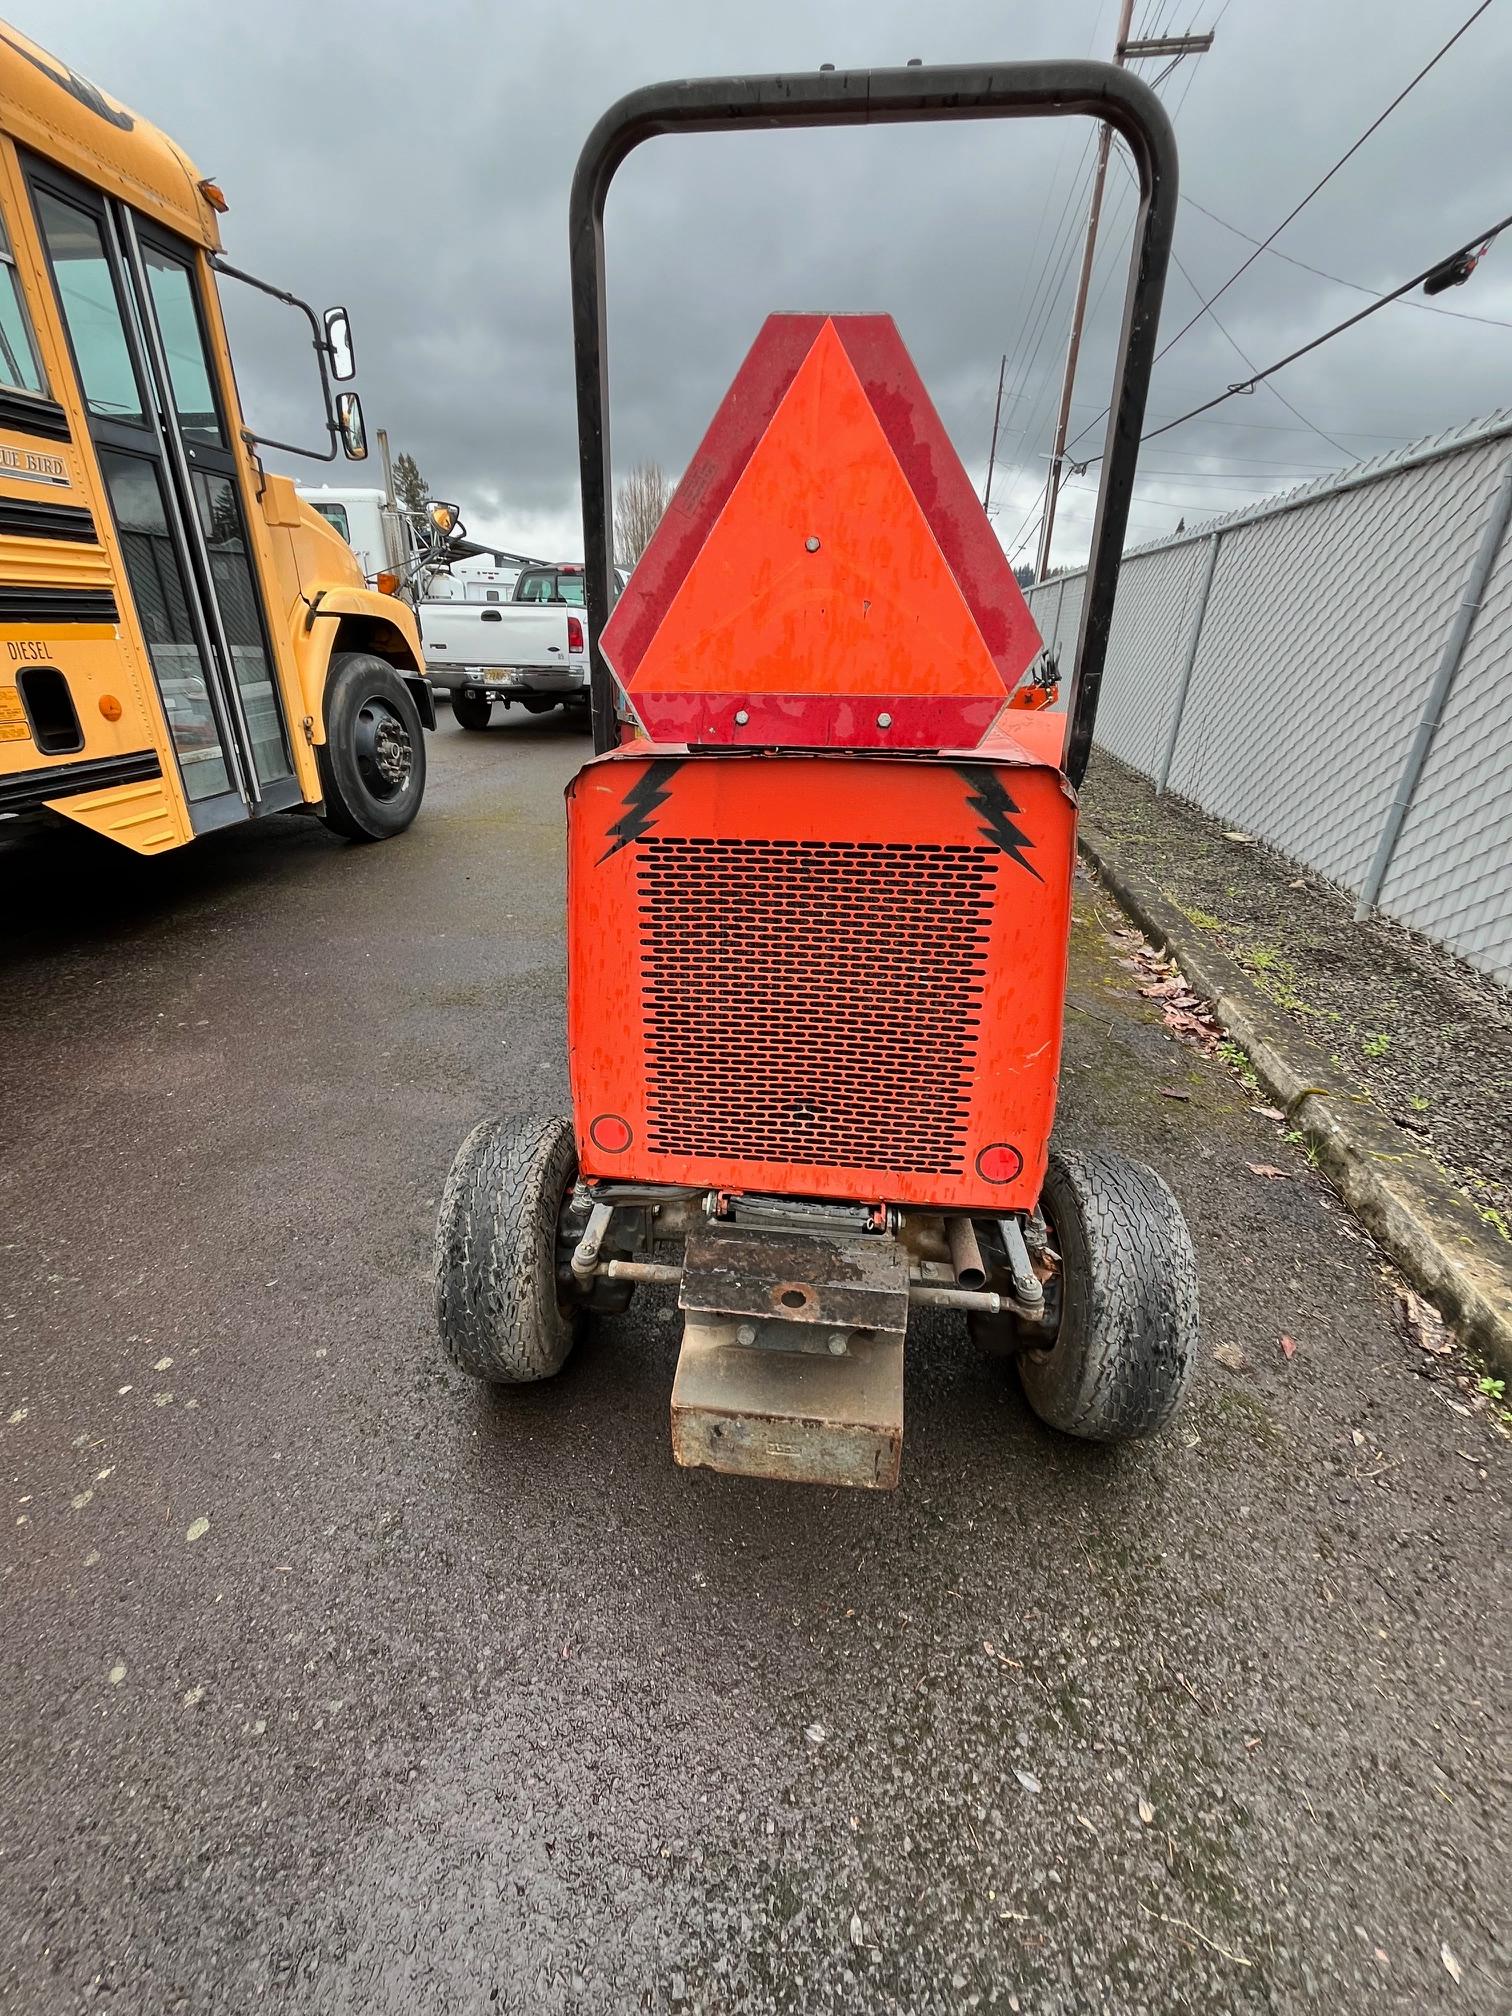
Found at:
<point>471,710</point>
<point>499,1305</point>
<point>1125,1348</point>
<point>372,762</point>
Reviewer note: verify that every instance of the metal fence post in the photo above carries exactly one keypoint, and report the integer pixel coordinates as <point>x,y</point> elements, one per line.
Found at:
<point>1178,704</point>
<point>1442,684</point>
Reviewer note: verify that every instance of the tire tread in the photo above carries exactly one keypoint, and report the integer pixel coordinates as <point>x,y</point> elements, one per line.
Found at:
<point>496,1299</point>
<point>1129,1324</point>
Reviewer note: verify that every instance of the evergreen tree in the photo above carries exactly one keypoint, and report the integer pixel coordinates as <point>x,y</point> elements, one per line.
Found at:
<point>411,491</point>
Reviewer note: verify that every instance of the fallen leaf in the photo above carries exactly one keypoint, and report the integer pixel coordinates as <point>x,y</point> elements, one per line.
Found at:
<point>1288,1347</point>
<point>1456,1972</point>
<point>857,1930</point>
<point>1170,1092</point>
<point>1231,1358</point>
<point>1423,1324</point>
<point>1268,1112</point>
<point>1027,1779</point>
<point>815,1732</point>
<point>197,1531</point>
<point>1244,839</point>
<point>1146,1812</point>
<point>1162,990</point>
<point>1267,1169</point>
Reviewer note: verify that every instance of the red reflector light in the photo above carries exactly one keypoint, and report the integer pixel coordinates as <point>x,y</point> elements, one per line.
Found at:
<point>574,633</point>
<point>1000,1163</point>
<point>609,1134</point>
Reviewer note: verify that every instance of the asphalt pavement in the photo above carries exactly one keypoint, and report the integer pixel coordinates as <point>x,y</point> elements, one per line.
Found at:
<point>333,1684</point>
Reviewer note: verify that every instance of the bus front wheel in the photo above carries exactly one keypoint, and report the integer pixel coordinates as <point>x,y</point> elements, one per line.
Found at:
<point>372,762</point>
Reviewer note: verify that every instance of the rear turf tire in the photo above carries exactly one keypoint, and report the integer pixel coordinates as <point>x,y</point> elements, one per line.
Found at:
<point>498,1298</point>
<point>469,711</point>
<point>1126,1345</point>
<point>372,762</point>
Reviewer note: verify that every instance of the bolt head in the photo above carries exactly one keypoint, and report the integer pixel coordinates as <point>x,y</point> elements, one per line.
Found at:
<point>837,1343</point>
<point>811,543</point>
<point>746,1334</point>
<point>884,720</point>
<point>741,717</point>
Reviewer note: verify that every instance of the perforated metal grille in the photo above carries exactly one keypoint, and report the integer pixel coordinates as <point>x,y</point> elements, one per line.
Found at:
<point>813,1001</point>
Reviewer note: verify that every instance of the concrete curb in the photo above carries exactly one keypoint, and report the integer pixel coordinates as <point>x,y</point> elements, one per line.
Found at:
<point>1416,1214</point>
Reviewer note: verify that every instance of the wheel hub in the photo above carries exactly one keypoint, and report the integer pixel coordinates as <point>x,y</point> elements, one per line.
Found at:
<point>393,754</point>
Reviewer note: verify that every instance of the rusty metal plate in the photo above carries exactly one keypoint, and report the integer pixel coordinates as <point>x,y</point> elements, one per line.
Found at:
<point>850,1284</point>
<point>789,1415</point>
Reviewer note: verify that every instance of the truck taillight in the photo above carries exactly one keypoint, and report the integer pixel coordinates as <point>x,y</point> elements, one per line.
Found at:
<point>574,633</point>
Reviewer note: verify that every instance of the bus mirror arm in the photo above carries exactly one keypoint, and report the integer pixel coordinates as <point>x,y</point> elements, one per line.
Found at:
<point>325,359</point>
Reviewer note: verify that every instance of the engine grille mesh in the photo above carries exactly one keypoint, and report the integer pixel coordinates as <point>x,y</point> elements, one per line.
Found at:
<point>813,1001</point>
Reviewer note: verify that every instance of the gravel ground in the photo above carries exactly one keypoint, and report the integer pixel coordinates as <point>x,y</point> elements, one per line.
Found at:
<point>335,1685</point>
<point>1428,1039</point>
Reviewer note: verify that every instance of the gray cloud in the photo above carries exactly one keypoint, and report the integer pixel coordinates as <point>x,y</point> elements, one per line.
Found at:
<point>416,165</point>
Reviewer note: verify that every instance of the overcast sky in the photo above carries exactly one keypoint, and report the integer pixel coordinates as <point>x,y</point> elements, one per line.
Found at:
<point>414,163</point>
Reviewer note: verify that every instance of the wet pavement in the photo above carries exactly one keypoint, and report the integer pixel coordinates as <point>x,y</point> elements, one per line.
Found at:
<point>333,1684</point>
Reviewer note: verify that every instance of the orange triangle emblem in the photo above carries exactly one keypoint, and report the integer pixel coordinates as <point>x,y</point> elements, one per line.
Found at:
<point>808,599</point>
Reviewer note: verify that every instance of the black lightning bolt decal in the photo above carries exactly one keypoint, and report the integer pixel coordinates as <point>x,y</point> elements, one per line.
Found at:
<point>998,814</point>
<point>641,802</point>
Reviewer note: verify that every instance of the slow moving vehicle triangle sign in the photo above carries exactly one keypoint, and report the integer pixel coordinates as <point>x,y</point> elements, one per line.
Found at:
<point>824,576</point>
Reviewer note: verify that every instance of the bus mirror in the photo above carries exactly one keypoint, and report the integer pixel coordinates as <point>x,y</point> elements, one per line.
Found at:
<point>338,336</point>
<point>351,425</point>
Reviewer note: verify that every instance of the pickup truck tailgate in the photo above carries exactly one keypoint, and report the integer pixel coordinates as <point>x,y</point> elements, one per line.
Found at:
<point>495,636</point>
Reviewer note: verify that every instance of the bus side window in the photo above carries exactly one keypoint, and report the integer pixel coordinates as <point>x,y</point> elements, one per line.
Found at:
<point>20,366</point>
<point>91,310</point>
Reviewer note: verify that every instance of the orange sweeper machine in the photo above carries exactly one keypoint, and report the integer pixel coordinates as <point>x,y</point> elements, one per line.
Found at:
<point>819,891</point>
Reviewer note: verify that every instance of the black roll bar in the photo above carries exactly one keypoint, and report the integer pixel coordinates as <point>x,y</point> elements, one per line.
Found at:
<point>872,98</point>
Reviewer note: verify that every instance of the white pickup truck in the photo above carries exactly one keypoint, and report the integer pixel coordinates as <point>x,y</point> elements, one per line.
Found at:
<point>530,651</point>
<point>515,633</point>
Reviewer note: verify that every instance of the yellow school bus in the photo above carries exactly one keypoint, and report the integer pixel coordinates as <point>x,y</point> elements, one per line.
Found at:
<point>183,644</point>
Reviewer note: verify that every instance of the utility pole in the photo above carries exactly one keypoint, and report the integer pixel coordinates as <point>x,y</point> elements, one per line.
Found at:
<point>996,416</point>
<point>1175,46</point>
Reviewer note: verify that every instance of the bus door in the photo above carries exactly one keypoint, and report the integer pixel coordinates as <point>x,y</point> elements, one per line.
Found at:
<point>127,292</point>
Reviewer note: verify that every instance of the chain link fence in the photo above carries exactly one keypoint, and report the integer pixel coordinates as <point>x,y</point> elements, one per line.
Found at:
<point>1332,671</point>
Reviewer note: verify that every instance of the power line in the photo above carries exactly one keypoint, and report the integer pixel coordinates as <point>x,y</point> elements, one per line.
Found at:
<point>1061,239</point>
<point>1280,427</point>
<point>1243,356</point>
<point>1265,243</point>
<point>1317,342</point>
<point>1423,307</point>
<point>1044,286</point>
<point>1323,182</point>
<point>1037,512</point>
